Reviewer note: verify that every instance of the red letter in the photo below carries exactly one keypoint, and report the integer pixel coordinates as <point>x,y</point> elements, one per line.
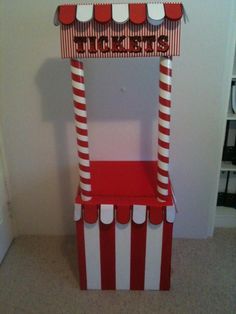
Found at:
<point>92,46</point>
<point>101,46</point>
<point>80,41</point>
<point>163,42</point>
<point>117,44</point>
<point>150,40</point>
<point>134,44</point>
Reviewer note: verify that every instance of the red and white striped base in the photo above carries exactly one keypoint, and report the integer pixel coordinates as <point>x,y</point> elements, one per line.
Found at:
<point>124,254</point>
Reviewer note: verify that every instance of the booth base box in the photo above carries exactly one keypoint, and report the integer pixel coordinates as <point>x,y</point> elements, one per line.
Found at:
<point>124,243</point>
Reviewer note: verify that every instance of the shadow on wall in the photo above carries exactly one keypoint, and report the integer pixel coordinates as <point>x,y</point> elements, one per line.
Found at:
<point>53,81</point>
<point>116,90</point>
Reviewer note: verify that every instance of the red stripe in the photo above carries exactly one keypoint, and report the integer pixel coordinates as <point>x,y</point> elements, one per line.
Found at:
<point>82,143</point>
<point>137,13</point>
<point>67,14</point>
<point>166,255</point>
<point>138,251</point>
<point>107,247</point>
<point>163,144</point>
<point>162,172</point>
<point>102,13</point>
<point>155,215</point>
<point>82,132</point>
<point>85,181</point>
<point>85,193</point>
<point>165,86</point>
<point>163,158</point>
<point>173,11</point>
<point>163,130</point>
<point>79,92</point>
<point>162,197</point>
<point>76,103</point>
<point>80,119</point>
<point>80,106</point>
<point>165,102</point>
<point>90,213</point>
<point>83,156</point>
<point>164,116</point>
<point>84,168</point>
<point>77,78</point>
<point>81,254</point>
<point>165,70</point>
<point>77,64</point>
<point>123,214</point>
<point>163,185</point>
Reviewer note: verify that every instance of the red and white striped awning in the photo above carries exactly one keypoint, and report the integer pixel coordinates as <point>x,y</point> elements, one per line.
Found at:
<point>154,13</point>
<point>107,213</point>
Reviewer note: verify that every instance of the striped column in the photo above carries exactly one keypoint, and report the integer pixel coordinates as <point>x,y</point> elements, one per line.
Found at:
<point>164,128</point>
<point>77,75</point>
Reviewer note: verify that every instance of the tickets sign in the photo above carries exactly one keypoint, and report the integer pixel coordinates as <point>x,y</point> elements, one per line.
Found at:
<point>124,30</point>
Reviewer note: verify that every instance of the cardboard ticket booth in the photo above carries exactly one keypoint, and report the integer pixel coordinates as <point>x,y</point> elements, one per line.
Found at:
<point>124,210</point>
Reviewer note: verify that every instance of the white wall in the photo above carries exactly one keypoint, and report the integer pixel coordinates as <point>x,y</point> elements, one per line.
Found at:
<point>37,114</point>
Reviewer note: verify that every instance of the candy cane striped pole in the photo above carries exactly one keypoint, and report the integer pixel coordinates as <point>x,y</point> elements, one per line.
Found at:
<point>77,75</point>
<point>164,128</point>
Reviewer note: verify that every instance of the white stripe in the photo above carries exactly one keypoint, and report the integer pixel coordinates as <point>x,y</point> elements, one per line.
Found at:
<point>82,138</point>
<point>78,85</point>
<point>123,244</point>
<point>165,78</point>
<point>84,162</point>
<point>81,125</point>
<point>139,214</point>
<point>164,123</point>
<point>77,71</point>
<point>79,99</point>
<point>162,165</point>
<point>164,109</point>
<point>170,214</point>
<point>164,137</point>
<point>80,113</point>
<point>153,256</point>
<point>84,13</point>
<point>166,62</point>
<point>164,94</point>
<point>162,179</point>
<point>92,255</point>
<point>162,191</point>
<point>85,198</point>
<point>107,213</point>
<point>84,174</point>
<point>156,13</point>
<point>83,150</point>
<point>163,151</point>
<point>85,187</point>
<point>77,212</point>
<point>120,13</point>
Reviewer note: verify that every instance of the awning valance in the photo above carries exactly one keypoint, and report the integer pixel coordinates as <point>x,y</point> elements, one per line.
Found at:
<point>154,13</point>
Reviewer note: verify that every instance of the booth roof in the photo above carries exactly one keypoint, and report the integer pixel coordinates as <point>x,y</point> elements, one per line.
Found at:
<point>154,13</point>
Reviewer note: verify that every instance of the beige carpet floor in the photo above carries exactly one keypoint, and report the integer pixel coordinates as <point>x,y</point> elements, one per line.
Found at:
<point>39,275</point>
